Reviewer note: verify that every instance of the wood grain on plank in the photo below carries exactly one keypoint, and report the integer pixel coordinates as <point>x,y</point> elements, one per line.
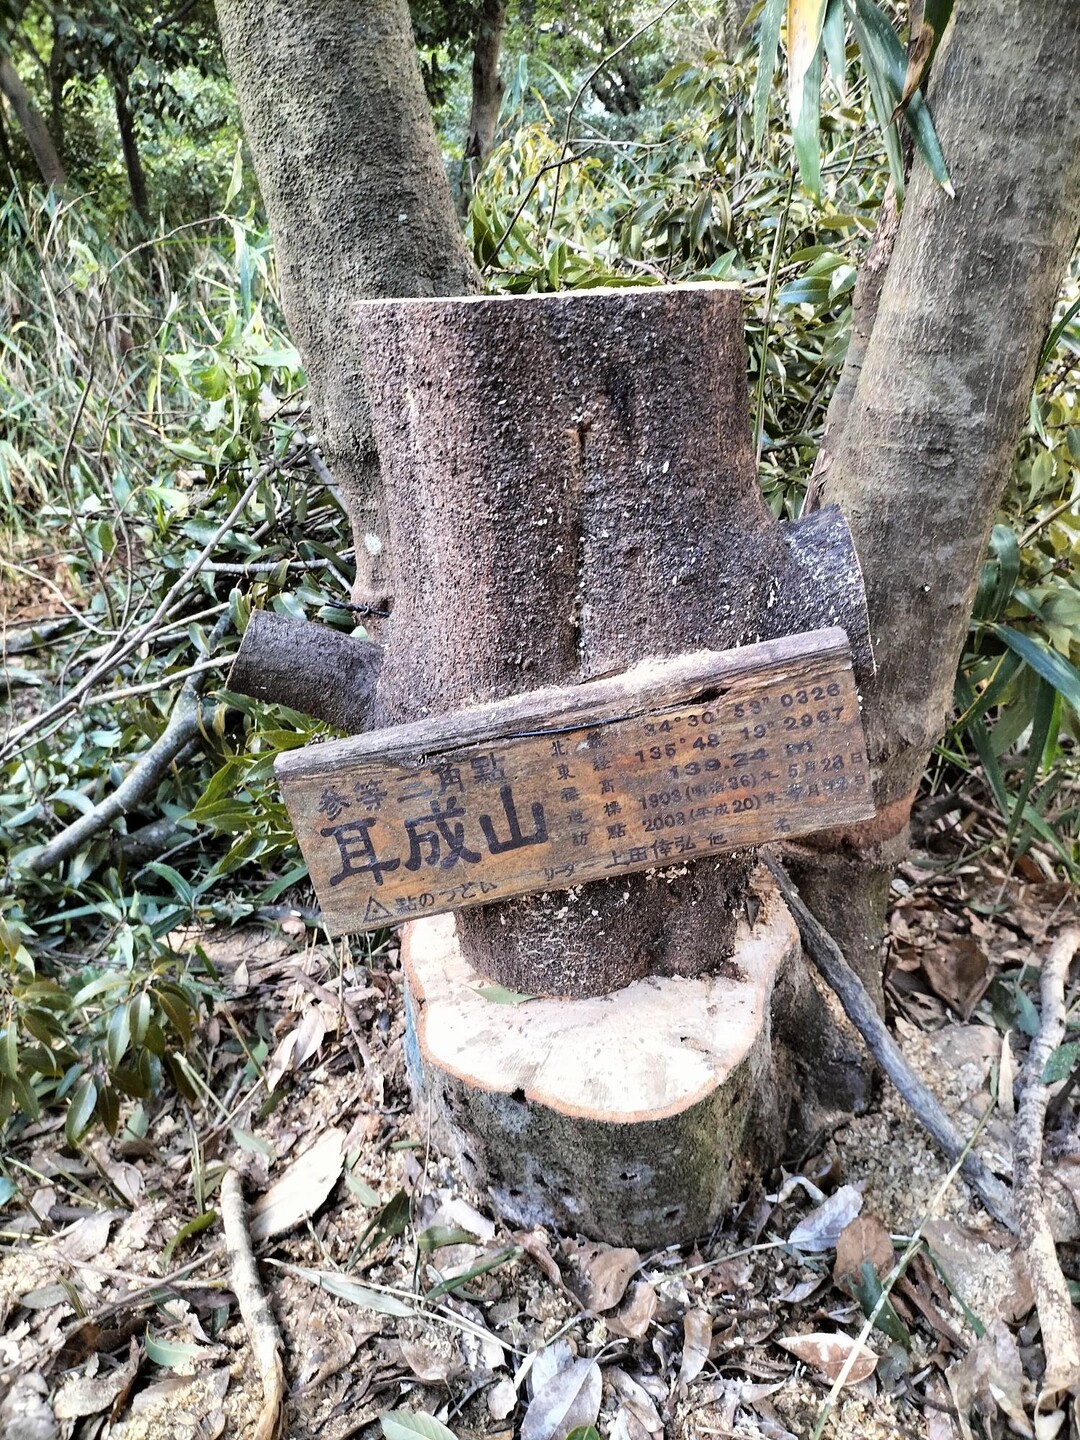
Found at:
<point>547,790</point>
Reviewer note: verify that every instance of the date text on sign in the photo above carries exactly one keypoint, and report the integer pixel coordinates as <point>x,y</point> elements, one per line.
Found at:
<point>664,764</point>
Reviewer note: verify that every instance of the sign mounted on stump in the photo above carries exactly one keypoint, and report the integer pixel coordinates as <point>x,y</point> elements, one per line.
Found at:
<point>668,762</point>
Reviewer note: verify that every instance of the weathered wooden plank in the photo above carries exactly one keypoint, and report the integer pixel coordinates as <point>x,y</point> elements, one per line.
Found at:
<point>658,766</point>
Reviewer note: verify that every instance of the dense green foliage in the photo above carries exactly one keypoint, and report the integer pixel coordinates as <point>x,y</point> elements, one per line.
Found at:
<point>148,386</point>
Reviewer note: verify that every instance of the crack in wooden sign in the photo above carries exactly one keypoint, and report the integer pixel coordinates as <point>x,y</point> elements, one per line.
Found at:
<point>666,763</point>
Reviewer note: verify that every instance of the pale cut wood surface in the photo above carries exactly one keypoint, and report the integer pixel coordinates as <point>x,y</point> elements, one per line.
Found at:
<point>674,760</point>
<point>649,1051</point>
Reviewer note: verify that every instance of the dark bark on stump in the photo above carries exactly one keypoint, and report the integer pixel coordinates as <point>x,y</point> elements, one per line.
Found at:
<point>570,487</point>
<point>308,667</point>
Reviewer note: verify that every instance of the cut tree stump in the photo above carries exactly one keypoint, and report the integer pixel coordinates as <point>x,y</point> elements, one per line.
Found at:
<point>570,487</point>
<point>635,1117</point>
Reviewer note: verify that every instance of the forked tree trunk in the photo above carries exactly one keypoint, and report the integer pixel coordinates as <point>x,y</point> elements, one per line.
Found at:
<point>942,388</point>
<point>359,206</point>
<point>32,125</point>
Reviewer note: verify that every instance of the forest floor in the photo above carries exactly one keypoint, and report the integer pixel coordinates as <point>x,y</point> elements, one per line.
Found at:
<point>117,1316</point>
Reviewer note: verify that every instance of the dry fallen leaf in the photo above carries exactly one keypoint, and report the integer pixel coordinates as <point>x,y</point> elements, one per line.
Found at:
<point>636,1399</point>
<point>990,1378</point>
<point>502,1398</point>
<point>300,1191</point>
<point>87,1237</point>
<point>429,1364</point>
<point>829,1354</point>
<point>637,1313</point>
<point>958,972</point>
<point>604,1275</point>
<point>864,1239</point>
<point>821,1229</point>
<point>569,1399</point>
<point>697,1341</point>
<point>90,1395</point>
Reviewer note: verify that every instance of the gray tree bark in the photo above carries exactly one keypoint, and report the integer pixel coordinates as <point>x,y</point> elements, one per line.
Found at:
<point>359,205</point>
<point>940,391</point>
<point>32,125</point>
<point>487,91</point>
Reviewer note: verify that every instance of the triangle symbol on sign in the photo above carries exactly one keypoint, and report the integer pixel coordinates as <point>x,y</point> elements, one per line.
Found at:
<point>376,910</point>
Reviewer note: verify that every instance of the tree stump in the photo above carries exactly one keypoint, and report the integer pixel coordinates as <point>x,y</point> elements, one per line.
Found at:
<point>635,1117</point>
<point>570,488</point>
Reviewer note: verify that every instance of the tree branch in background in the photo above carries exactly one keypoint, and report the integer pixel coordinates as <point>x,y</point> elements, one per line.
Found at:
<point>861,1011</point>
<point>1056,1313</point>
<point>358,202</point>
<point>33,127</point>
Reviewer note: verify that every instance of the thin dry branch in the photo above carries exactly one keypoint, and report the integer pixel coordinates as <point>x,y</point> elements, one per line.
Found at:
<point>860,1010</point>
<point>255,1308</point>
<point>123,648</point>
<point>1056,1314</point>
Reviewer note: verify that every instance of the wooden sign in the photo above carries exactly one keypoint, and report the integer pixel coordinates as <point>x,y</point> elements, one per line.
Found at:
<point>661,765</point>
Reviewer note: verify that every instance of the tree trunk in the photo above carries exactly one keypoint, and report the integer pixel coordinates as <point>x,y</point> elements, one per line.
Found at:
<point>487,92</point>
<point>33,127</point>
<point>942,389</point>
<point>359,205</point>
<point>129,146</point>
<point>577,490</point>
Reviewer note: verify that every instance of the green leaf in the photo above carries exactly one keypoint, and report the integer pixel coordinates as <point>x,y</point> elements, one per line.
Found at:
<point>500,995</point>
<point>867,1289</point>
<point>804,21</point>
<point>193,1227</point>
<point>884,54</point>
<point>584,1432</point>
<point>1046,710</point>
<point>118,1035</point>
<point>1061,1063</point>
<point>81,1109</point>
<point>8,1189</point>
<point>1054,668</point>
<point>875,58</point>
<point>501,1257</point>
<point>407,1424</point>
<point>768,52</point>
<point>170,1353</point>
<point>355,1293</point>
<point>437,1236</point>
<point>806,127</point>
<point>834,40</point>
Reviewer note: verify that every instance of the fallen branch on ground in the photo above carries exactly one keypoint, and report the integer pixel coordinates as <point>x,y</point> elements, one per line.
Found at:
<point>860,1010</point>
<point>183,727</point>
<point>1052,1300</point>
<point>255,1308</point>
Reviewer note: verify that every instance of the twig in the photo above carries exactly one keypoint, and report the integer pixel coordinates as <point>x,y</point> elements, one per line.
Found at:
<point>163,682</point>
<point>183,726</point>
<point>255,1308</point>
<point>859,1008</point>
<point>893,1276</point>
<point>593,73</point>
<point>1052,1300</point>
